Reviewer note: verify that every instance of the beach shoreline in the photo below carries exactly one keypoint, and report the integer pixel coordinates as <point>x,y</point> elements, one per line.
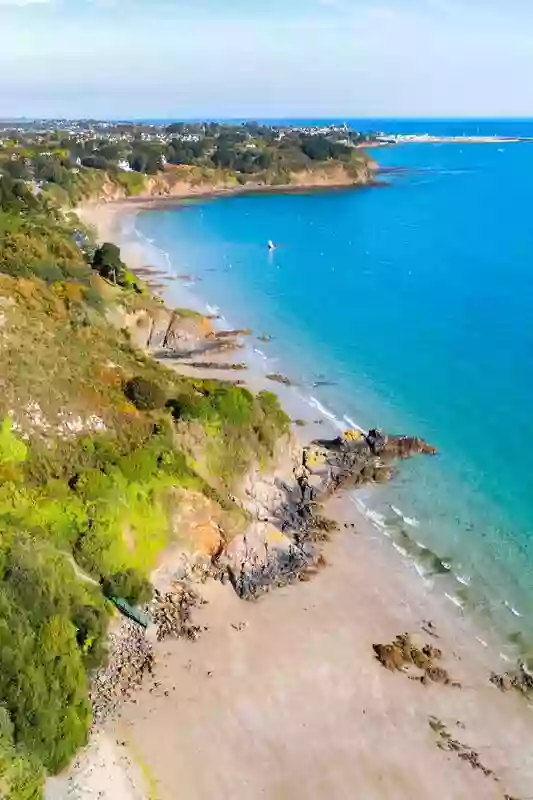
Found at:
<point>301,667</point>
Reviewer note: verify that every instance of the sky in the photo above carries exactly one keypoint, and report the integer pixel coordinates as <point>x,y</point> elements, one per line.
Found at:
<point>174,59</point>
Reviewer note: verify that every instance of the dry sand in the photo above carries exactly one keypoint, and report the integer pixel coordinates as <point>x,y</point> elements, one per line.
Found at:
<point>105,769</point>
<point>283,698</point>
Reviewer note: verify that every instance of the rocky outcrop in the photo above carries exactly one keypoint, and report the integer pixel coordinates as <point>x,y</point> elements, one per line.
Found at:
<point>155,327</point>
<point>283,543</point>
<point>367,458</point>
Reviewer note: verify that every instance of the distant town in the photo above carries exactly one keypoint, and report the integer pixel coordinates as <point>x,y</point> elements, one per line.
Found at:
<point>145,147</point>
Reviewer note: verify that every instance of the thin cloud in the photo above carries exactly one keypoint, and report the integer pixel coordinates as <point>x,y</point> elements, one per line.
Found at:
<point>21,2</point>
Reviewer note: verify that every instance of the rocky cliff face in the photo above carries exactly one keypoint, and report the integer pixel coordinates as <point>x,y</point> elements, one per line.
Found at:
<point>191,181</point>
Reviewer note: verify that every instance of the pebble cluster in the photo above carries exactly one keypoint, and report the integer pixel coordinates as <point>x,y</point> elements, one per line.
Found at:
<point>130,658</point>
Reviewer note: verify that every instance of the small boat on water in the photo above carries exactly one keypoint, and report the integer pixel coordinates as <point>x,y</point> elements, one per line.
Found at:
<point>271,245</point>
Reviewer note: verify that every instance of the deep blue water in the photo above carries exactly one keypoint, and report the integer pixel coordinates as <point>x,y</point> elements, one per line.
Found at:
<point>416,300</point>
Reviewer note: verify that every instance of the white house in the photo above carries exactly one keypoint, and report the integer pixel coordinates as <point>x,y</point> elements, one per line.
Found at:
<point>124,165</point>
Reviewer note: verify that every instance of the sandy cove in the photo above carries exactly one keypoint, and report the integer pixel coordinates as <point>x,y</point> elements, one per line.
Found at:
<point>284,697</point>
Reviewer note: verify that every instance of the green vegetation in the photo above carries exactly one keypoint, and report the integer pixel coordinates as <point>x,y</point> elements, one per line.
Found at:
<point>104,161</point>
<point>130,585</point>
<point>98,446</point>
<point>21,774</point>
<point>108,263</point>
<point>145,394</point>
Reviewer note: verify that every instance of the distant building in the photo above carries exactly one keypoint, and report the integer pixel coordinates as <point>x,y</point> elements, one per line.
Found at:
<point>124,165</point>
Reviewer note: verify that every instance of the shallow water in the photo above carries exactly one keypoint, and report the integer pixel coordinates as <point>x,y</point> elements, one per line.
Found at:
<point>413,303</point>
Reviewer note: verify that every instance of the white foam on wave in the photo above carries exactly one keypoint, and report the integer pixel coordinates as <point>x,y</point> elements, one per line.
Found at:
<point>481,641</point>
<point>150,246</point>
<point>377,519</point>
<point>422,572</point>
<point>402,551</point>
<point>349,421</point>
<point>411,521</point>
<point>512,610</point>
<point>504,657</point>
<point>260,353</point>
<point>214,311</point>
<point>464,579</point>
<point>455,600</point>
<point>314,403</point>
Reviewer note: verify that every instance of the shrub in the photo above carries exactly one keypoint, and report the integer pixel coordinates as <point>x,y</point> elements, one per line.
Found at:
<point>21,775</point>
<point>90,624</point>
<point>108,263</point>
<point>145,394</point>
<point>43,684</point>
<point>130,585</point>
<point>12,449</point>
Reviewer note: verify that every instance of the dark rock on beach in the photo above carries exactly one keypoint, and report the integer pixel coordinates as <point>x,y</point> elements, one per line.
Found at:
<point>278,378</point>
<point>230,334</point>
<point>219,365</point>
<point>447,742</point>
<point>172,612</point>
<point>520,679</point>
<point>403,653</point>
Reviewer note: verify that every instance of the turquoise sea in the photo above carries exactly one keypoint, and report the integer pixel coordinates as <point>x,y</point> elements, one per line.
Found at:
<point>414,303</point>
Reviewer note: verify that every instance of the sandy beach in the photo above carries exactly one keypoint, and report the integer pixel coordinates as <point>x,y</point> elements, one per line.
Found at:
<point>284,697</point>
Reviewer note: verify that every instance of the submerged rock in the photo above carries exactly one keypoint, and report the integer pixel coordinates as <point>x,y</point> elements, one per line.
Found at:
<point>520,679</point>
<point>278,378</point>
<point>219,365</point>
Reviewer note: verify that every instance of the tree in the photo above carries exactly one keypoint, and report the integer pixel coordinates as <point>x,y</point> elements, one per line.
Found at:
<point>15,196</point>
<point>43,684</point>
<point>108,263</point>
<point>145,394</point>
<point>17,169</point>
<point>21,775</point>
